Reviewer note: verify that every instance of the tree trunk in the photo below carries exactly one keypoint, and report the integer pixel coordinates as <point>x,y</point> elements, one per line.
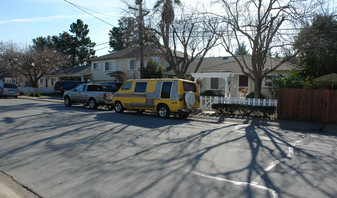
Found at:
<point>257,88</point>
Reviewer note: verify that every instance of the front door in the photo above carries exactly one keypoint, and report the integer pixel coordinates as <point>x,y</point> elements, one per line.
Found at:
<point>243,86</point>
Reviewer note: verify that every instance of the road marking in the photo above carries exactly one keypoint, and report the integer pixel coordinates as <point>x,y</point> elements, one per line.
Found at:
<point>237,183</point>
<point>272,165</point>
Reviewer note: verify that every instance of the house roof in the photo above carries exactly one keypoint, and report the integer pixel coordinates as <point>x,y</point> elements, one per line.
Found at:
<point>72,71</point>
<point>5,75</point>
<point>129,53</point>
<point>132,52</point>
<point>229,64</point>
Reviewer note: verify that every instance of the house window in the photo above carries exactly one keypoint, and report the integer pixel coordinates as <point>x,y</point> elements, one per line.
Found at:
<point>154,59</point>
<point>109,66</point>
<point>133,64</point>
<point>95,66</point>
<point>214,83</point>
<point>41,80</point>
<point>269,80</point>
<point>243,81</point>
<point>52,81</point>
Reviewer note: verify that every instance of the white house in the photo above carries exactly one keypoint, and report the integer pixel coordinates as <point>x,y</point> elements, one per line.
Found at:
<point>123,64</point>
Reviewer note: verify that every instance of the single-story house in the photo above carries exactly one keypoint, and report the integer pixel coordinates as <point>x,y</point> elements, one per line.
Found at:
<point>124,64</point>
<point>78,73</point>
<point>223,74</point>
<point>7,77</point>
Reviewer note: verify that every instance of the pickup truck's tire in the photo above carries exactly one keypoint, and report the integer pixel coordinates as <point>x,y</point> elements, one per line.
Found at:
<point>67,101</point>
<point>119,107</point>
<point>92,103</point>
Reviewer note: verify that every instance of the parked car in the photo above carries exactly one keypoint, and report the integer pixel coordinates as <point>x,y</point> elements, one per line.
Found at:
<point>91,95</point>
<point>112,86</point>
<point>61,86</point>
<point>9,90</point>
<point>166,96</point>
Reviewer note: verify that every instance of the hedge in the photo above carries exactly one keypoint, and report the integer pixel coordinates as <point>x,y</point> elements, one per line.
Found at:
<point>244,110</point>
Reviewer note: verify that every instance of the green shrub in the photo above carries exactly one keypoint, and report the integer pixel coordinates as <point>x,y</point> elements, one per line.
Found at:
<point>211,93</point>
<point>22,93</point>
<point>251,95</point>
<point>244,110</point>
<point>33,94</point>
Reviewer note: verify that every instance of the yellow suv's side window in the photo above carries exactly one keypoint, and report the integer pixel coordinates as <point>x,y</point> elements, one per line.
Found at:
<point>127,86</point>
<point>166,90</point>
<point>140,87</point>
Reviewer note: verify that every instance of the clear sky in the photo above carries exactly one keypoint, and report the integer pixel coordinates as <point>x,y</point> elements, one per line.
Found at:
<point>23,20</point>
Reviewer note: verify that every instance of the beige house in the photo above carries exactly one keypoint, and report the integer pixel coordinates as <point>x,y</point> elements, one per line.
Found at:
<point>223,75</point>
<point>124,64</point>
<point>78,73</point>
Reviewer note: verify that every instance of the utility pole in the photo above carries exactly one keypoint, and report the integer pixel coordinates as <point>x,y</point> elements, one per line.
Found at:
<point>141,14</point>
<point>141,36</point>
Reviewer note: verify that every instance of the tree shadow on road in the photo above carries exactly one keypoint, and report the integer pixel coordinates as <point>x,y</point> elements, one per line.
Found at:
<point>144,156</point>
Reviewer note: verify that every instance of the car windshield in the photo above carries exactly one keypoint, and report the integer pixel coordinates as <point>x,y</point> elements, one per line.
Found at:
<point>10,85</point>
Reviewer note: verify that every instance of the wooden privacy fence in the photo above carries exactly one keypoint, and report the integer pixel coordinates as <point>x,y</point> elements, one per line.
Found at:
<point>206,102</point>
<point>313,105</point>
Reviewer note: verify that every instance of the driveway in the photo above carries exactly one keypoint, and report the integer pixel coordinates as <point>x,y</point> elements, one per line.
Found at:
<point>77,152</point>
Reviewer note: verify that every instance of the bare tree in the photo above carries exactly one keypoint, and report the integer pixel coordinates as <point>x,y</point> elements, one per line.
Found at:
<point>186,39</point>
<point>30,63</point>
<point>267,25</point>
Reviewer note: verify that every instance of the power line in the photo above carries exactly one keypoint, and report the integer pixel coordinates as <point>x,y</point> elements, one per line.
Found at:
<point>101,44</point>
<point>83,9</point>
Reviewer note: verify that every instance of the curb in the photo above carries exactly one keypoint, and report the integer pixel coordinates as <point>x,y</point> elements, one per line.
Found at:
<point>10,188</point>
<point>220,118</point>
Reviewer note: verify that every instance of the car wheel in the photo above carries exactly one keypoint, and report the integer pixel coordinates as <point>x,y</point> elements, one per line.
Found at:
<point>163,111</point>
<point>67,101</point>
<point>92,104</point>
<point>119,107</point>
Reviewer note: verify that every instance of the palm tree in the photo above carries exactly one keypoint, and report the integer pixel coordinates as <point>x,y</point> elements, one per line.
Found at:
<point>167,17</point>
<point>167,9</point>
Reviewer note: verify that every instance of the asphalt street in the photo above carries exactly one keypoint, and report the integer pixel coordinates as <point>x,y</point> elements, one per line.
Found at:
<point>59,151</point>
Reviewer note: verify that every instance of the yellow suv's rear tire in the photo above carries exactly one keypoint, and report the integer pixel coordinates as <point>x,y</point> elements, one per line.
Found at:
<point>163,111</point>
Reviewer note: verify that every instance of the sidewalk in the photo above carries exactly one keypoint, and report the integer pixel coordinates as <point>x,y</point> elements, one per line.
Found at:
<point>9,188</point>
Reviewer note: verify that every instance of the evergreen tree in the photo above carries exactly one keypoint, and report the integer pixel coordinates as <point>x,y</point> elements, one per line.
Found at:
<point>318,46</point>
<point>76,46</point>
<point>153,70</point>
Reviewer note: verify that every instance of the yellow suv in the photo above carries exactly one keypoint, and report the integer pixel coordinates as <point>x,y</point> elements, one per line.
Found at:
<point>166,96</point>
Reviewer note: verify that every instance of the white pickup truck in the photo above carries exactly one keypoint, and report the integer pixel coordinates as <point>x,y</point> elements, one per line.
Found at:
<point>88,94</point>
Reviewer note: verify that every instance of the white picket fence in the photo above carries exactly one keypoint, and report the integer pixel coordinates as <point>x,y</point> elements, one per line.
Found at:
<point>28,90</point>
<point>206,102</point>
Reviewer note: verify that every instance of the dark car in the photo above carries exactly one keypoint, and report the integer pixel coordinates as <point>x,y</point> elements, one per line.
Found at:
<point>9,90</point>
<point>112,86</point>
<point>62,86</point>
